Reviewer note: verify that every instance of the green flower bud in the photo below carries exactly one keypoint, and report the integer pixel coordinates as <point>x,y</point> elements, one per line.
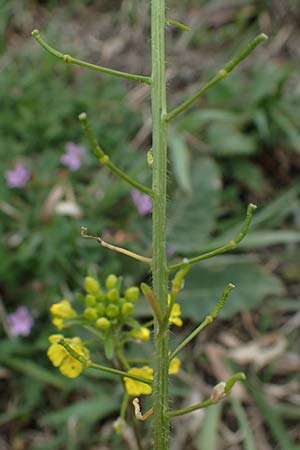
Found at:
<point>100,308</point>
<point>111,281</point>
<point>90,314</point>
<point>113,295</point>
<point>91,285</point>
<point>90,300</point>
<point>132,294</point>
<point>103,323</point>
<point>112,311</point>
<point>127,309</point>
<point>100,297</point>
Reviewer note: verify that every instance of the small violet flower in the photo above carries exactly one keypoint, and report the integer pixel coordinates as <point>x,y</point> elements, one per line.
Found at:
<point>72,157</point>
<point>20,322</point>
<point>142,202</point>
<point>17,177</point>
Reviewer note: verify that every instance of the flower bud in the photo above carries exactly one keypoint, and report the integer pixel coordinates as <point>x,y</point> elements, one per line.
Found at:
<point>102,323</point>
<point>90,314</point>
<point>142,333</point>
<point>111,281</point>
<point>132,294</point>
<point>91,285</point>
<point>100,308</point>
<point>100,296</point>
<point>113,295</point>
<point>112,311</point>
<point>127,309</point>
<point>90,300</point>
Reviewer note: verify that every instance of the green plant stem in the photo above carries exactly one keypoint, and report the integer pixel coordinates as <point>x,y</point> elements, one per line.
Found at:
<point>92,365</point>
<point>225,248</point>
<point>104,158</point>
<point>159,259</point>
<point>220,76</point>
<point>69,59</point>
<point>181,412</point>
<point>240,376</point>
<point>208,320</point>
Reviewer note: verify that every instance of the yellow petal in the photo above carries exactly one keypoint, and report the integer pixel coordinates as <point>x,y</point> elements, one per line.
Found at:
<point>70,367</point>
<point>143,333</point>
<point>54,338</point>
<point>56,353</point>
<point>174,366</point>
<point>63,310</point>
<point>137,388</point>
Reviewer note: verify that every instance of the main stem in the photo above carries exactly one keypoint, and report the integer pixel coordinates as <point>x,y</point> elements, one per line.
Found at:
<point>159,262</point>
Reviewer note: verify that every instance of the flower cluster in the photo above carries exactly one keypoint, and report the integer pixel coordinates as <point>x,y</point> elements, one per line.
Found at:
<point>60,357</point>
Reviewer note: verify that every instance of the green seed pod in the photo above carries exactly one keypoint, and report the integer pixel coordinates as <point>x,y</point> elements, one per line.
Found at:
<point>112,311</point>
<point>127,309</point>
<point>100,308</point>
<point>90,314</point>
<point>91,285</point>
<point>103,323</point>
<point>132,294</point>
<point>111,281</point>
<point>113,295</point>
<point>90,300</point>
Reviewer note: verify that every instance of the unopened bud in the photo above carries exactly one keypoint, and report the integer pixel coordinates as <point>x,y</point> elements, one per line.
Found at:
<point>90,314</point>
<point>103,324</point>
<point>90,300</point>
<point>91,285</point>
<point>132,294</point>
<point>111,281</point>
<point>127,309</point>
<point>112,311</point>
<point>113,295</point>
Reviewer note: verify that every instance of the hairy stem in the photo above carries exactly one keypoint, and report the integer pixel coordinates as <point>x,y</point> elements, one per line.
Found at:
<point>159,260</point>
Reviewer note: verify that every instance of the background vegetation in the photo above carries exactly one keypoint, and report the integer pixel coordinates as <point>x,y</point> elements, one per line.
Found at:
<point>240,144</point>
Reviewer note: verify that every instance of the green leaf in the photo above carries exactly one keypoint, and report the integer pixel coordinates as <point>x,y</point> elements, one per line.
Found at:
<point>192,218</point>
<point>244,426</point>
<point>272,418</point>
<point>87,411</point>
<point>226,140</point>
<point>180,161</point>
<point>35,371</point>
<point>205,284</point>
<point>209,431</point>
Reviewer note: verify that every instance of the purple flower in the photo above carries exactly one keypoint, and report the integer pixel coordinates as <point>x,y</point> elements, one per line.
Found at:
<point>17,177</point>
<point>20,322</point>
<point>142,202</point>
<point>72,157</point>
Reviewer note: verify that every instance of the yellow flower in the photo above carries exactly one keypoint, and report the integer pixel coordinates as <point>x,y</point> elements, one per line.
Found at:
<point>175,315</point>
<point>174,366</point>
<point>137,388</point>
<point>63,310</point>
<point>142,333</point>
<point>58,323</point>
<point>60,357</point>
